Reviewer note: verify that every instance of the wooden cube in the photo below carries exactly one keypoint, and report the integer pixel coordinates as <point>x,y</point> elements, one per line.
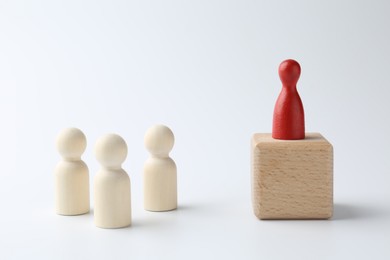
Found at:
<point>292,179</point>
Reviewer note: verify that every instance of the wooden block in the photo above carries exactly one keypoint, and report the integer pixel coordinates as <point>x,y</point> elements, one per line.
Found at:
<point>292,179</point>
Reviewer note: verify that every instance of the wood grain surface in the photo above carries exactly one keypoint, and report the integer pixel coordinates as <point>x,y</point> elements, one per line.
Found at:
<point>292,179</point>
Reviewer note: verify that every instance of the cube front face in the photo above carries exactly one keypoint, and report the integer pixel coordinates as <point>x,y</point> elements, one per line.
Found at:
<point>292,179</point>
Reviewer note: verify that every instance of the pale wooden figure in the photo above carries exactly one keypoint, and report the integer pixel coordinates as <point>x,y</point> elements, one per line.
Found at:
<point>112,198</point>
<point>160,173</point>
<point>292,179</point>
<point>71,174</point>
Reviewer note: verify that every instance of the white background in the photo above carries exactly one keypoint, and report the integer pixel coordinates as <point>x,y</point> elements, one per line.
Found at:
<point>208,70</point>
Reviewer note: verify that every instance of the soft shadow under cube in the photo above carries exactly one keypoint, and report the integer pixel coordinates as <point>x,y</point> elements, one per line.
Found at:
<point>292,179</point>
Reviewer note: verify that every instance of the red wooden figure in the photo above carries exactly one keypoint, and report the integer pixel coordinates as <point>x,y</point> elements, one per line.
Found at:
<point>289,118</point>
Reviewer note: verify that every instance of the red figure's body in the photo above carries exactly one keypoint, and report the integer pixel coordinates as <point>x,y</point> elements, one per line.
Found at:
<point>289,118</point>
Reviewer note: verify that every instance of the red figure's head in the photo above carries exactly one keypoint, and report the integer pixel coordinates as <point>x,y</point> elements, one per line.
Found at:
<point>289,72</point>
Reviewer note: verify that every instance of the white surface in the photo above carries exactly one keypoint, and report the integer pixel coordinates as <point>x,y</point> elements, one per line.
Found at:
<point>208,69</point>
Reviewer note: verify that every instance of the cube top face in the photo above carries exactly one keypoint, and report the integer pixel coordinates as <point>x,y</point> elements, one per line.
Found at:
<point>310,139</point>
<point>292,179</point>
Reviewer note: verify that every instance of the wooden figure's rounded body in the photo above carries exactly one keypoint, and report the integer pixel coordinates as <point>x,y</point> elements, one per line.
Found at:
<point>160,184</point>
<point>71,174</point>
<point>289,119</point>
<point>72,188</point>
<point>160,173</point>
<point>112,197</point>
